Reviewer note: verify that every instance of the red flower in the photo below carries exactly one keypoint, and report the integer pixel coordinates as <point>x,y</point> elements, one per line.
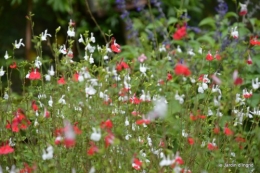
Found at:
<point>181,69</point>
<point>169,76</point>
<point>121,65</point>
<point>217,56</point>
<point>13,65</point>
<point>180,33</point>
<point>190,141</point>
<point>179,160</point>
<point>212,146</point>
<point>135,100</point>
<point>93,149</point>
<point>6,149</point>
<point>114,46</point>
<point>76,77</point>
<point>76,129</point>
<point>249,60</point>
<point>109,139</point>
<point>27,169</point>
<point>237,80</point>
<point>143,121</point>
<point>254,41</point>
<point>209,57</point>
<point>34,106</point>
<point>240,139</point>
<point>107,124</point>
<point>61,81</point>
<point>136,164</point>
<point>228,132</point>
<point>18,122</point>
<point>35,75</point>
<point>216,130</point>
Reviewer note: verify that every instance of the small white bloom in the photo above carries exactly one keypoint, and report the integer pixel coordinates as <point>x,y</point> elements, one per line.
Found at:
<point>44,35</point>
<point>96,135</point>
<point>90,48</point>
<point>47,77</point>
<point>11,143</point>
<point>127,137</point>
<point>63,50</point>
<point>91,59</point>
<point>48,153</point>
<point>2,72</point>
<point>18,45</point>
<point>6,96</point>
<point>81,40</point>
<point>37,62</point>
<point>200,89</point>
<point>92,38</point>
<point>190,52</point>
<point>71,32</point>
<point>62,100</point>
<point>162,48</point>
<point>92,170</point>
<point>126,122</point>
<point>6,55</point>
<point>234,32</point>
<point>90,90</point>
<point>255,84</point>
<point>179,49</point>
<point>143,69</point>
<point>106,57</point>
<point>200,50</point>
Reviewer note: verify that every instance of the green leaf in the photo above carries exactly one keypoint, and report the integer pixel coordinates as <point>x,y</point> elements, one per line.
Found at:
<point>207,39</point>
<point>172,20</point>
<point>208,21</point>
<point>231,14</point>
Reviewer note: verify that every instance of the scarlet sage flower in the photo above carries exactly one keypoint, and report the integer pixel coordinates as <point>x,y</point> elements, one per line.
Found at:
<point>35,75</point>
<point>181,69</point>
<point>121,65</point>
<point>243,10</point>
<point>137,164</point>
<point>13,65</point>
<point>27,169</point>
<point>61,81</point>
<point>169,76</point>
<point>216,130</point>
<point>209,57</point>
<point>135,100</point>
<point>143,121</point>
<point>107,124</point>
<point>228,132</point>
<point>34,106</point>
<point>212,146</point>
<point>237,80</point>
<point>19,122</point>
<point>6,149</point>
<point>190,141</point>
<point>254,41</point>
<point>217,56</point>
<point>114,46</point>
<point>109,139</point>
<point>180,33</point>
<point>93,149</point>
<point>249,60</point>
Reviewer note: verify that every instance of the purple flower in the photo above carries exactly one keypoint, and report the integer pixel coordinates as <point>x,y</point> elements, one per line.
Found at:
<point>222,7</point>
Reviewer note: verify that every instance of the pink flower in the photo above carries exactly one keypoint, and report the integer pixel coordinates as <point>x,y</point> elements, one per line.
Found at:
<point>142,58</point>
<point>6,149</point>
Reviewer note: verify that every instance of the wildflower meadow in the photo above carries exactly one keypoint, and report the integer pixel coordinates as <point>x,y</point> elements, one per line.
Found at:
<point>176,98</point>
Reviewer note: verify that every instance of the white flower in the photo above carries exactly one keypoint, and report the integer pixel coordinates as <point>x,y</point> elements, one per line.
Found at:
<point>179,98</point>
<point>200,89</point>
<point>11,143</point>
<point>217,101</point>
<point>143,69</point>
<point>37,62</point>
<point>90,48</point>
<point>215,88</point>
<point>6,96</point>
<point>255,84</point>
<point>106,57</point>
<point>63,50</point>
<point>190,52</point>
<point>179,49</point>
<point>126,122</point>
<point>18,45</point>
<point>92,170</point>
<point>50,102</point>
<point>62,100</point>
<point>91,59</point>
<point>49,154</point>
<point>200,50</point>
<point>159,110</point>
<point>184,134</point>
<point>81,40</point>
<point>44,35</point>
<point>90,90</point>
<point>47,77</point>
<point>234,32</point>
<point>96,135</point>
<point>92,38</point>
<point>127,137</point>
<point>51,72</point>
<point>71,32</point>
<point>6,55</point>
<point>2,72</point>
<point>108,49</point>
<point>162,48</point>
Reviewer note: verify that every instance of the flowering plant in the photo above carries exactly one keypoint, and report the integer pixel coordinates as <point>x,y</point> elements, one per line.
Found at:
<point>184,102</point>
